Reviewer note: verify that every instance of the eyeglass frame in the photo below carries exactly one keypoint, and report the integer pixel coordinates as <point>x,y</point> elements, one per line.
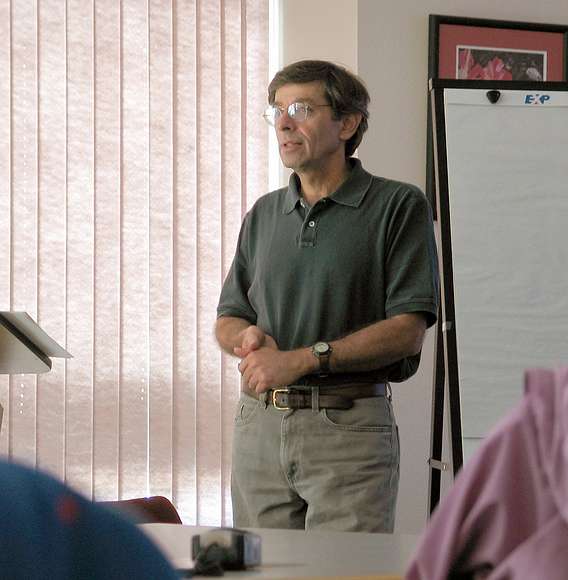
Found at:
<point>289,111</point>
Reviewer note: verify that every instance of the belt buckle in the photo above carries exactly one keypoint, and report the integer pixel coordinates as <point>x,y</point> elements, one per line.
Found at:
<point>273,398</point>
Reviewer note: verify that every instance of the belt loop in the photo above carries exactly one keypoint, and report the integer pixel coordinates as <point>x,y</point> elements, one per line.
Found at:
<point>315,399</point>
<point>388,392</point>
<point>263,398</point>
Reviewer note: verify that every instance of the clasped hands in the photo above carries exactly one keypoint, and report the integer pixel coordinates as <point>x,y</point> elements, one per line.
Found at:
<point>263,366</point>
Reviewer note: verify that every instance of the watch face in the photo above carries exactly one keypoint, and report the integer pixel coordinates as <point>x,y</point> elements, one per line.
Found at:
<point>321,347</point>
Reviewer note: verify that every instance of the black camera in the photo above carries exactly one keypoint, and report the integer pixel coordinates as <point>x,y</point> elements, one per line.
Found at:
<point>232,549</point>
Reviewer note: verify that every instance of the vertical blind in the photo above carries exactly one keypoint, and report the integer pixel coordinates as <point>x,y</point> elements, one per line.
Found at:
<point>131,144</point>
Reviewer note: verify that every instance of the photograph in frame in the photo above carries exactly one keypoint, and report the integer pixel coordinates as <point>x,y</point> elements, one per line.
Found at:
<point>496,64</point>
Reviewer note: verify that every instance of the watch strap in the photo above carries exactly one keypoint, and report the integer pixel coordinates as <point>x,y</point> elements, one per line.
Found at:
<point>322,351</point>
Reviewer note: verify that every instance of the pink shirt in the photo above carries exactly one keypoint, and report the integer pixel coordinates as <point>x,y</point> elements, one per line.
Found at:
<point>506,516</point>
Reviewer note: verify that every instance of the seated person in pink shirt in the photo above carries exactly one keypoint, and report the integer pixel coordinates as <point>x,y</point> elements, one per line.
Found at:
<point>506,517</point>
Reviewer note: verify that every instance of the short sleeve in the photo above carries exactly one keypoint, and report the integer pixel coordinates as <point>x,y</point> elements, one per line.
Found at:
<point>411,263</point>
<point>234,294</point>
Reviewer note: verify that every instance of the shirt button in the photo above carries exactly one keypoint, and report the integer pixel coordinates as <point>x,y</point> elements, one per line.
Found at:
<point>312,224</point>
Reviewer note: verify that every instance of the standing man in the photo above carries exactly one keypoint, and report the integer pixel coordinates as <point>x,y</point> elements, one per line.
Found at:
<point>333,285</point>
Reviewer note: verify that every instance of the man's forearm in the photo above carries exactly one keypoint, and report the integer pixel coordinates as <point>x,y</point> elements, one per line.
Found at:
<point>228,331</point>
<point>371,348</point>
<point>379,344</point>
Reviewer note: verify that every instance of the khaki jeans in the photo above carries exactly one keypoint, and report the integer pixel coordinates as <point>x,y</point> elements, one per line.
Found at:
<point>315,470</point>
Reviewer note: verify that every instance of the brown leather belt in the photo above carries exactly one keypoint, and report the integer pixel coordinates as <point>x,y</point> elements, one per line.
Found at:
<point>337,397</point>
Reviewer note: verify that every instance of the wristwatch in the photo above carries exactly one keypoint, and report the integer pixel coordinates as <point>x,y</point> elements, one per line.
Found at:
<point>322,351</point>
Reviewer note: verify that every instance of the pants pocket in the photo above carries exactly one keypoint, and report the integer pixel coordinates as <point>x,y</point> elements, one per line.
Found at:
<point>372,414</point>
<point>247,408</point>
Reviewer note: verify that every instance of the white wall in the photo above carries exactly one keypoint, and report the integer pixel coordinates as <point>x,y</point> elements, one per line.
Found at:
<point>325,29</point>
<point>387,44</point>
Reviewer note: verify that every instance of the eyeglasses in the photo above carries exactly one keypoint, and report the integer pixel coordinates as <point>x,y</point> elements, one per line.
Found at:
<point>299,112</point>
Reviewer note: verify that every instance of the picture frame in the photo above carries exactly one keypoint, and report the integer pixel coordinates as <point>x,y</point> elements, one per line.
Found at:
<point>491,50</point>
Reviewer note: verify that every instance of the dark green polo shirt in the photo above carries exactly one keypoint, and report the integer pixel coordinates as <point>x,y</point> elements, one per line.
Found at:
<point>361,255</point>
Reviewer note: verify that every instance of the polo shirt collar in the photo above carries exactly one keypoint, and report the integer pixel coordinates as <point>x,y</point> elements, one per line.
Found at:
<point>350,193</point>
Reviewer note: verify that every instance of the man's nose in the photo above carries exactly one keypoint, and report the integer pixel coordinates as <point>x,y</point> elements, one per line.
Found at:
<point>284,122</point>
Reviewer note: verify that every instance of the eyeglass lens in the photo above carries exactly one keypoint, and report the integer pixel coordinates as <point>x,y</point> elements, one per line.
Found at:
<point>296,111</point>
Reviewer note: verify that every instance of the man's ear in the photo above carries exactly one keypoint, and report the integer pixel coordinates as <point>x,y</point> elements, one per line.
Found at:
<point>350,125</point>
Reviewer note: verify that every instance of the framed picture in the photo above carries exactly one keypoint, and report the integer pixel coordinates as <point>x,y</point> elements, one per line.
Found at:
<point>492,50</point>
